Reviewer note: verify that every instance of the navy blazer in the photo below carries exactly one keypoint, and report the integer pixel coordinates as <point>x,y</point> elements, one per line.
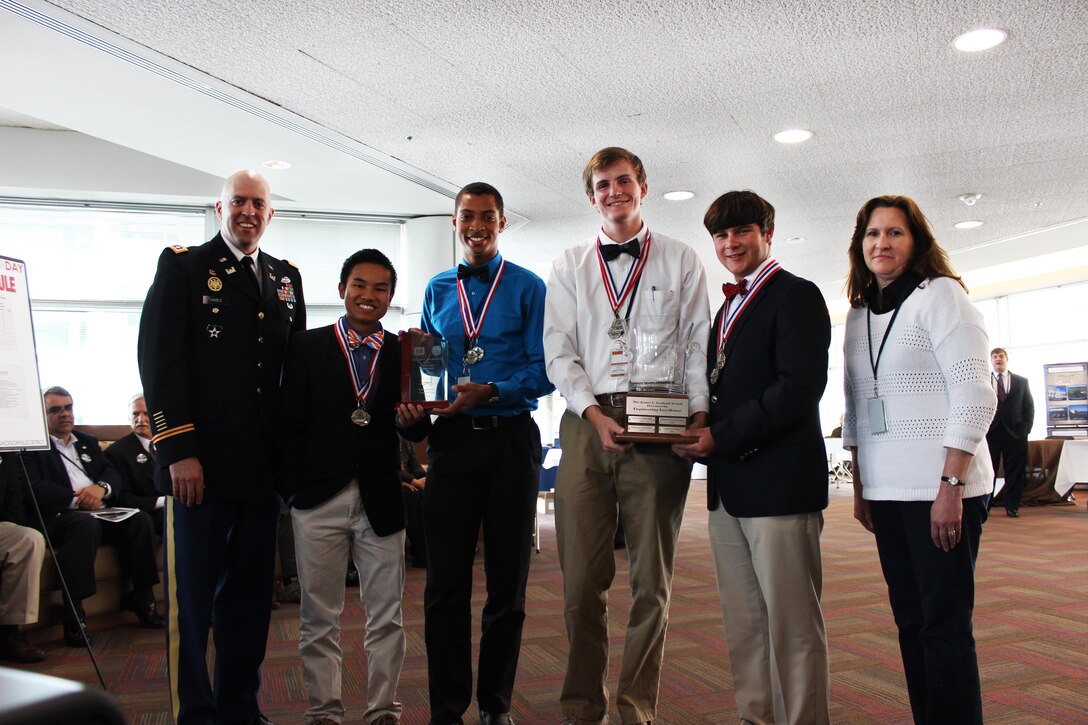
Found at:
<point>137,476</point>
<point>322,449</point>
<point>770,458</point>
<point>49,477</point>
<point>1016,415</point>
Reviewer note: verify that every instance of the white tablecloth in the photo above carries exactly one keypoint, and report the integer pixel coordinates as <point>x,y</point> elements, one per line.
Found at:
<point>1072,466</point>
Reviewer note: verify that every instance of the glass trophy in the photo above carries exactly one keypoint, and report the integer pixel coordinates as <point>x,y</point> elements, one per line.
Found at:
<point>657,400</point>
<point>424,366</point>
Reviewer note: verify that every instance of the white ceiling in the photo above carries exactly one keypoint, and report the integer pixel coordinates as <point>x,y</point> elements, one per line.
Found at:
<point>389,107</point>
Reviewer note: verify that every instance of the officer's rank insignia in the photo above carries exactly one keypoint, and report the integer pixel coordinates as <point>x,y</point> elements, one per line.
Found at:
<point>215,284</point>
<point>214,330</point>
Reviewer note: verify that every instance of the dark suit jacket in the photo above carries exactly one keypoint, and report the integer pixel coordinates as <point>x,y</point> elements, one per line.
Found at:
<point>12,490</point>
<point>770,458</point>
<point>211,357</point>
<point>50,481</point>
<point>323,449</point>
<point>1016,415</point>
<point>137,476</point>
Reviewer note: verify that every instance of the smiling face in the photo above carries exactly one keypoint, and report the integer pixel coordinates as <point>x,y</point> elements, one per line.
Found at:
<point>887,245</point>
<point>138,418</point>
<point>366,296</point>
<point>479,223</point>
<point>743,248</point>
<point>244,209</point>
<point>617,196</point>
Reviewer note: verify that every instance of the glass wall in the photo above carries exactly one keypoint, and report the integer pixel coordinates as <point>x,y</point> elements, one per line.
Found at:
<point>89,267</point>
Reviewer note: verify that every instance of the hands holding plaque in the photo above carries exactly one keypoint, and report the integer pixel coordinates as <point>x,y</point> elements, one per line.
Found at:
<point>424,369</point>
<point>657,401</point>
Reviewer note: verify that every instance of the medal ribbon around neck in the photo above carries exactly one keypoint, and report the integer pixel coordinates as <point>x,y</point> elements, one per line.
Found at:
<point>472,326</point>
<point>725,324</point>
<point>344,336</point>
<point>617,296</point>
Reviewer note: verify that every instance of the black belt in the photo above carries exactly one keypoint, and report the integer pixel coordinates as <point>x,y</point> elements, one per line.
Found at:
<point>612,400</point>
<point>489,422</point>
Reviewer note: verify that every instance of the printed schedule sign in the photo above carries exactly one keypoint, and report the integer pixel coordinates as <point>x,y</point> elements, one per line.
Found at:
<point>22,413</point>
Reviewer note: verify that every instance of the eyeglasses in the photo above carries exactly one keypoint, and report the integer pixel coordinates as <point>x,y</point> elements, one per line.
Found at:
<point>53,410</point>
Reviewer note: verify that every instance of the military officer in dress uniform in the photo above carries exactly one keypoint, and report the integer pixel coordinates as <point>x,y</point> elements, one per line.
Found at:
<point>213,337</point>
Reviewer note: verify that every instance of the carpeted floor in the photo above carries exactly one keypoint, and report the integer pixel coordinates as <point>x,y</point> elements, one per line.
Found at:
<point>1031,622</point>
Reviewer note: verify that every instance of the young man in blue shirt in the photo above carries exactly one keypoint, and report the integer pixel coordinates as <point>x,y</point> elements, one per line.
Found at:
<point>484,453</point>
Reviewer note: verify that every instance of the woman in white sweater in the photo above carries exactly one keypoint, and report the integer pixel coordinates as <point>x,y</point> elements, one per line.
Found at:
<point>918,405</point>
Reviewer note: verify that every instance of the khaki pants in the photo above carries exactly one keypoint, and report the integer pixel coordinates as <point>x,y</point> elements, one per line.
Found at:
<point>769,580</point>
<point>21,552</point>
<point>648,488</point>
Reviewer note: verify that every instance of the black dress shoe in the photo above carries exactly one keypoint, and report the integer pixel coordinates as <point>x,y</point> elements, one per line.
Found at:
<point>15,648</point>
<point>73,637</point>
<point>1012,513</point>
<point>147,613</point>
<point>495,718</point>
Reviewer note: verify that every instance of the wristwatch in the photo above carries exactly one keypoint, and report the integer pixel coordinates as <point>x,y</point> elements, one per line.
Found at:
<point>494,394</point>
<point>953,481</point>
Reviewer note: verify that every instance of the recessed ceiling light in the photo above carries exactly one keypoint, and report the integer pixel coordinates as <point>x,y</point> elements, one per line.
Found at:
<point>678,195</point>
<point>796,240</point>
<point>980,39</point>
<point>793,135</point>
<point>276,164</point>
<point>969,224</point>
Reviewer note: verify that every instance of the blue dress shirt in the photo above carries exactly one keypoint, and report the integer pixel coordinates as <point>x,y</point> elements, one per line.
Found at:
<point>512,335</point>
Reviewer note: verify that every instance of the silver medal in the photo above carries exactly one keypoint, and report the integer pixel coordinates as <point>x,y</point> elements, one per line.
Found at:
<point>360,417</point>
<point>718,365</point>
<point>474,355</point>
<point>616,329</point>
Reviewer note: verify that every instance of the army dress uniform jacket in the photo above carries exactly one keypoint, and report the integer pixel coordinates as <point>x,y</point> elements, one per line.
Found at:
<point>211,355</point>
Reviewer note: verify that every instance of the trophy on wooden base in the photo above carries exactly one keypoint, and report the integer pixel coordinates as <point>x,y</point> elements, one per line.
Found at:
<point>424,365</point>
<point>657,401</point>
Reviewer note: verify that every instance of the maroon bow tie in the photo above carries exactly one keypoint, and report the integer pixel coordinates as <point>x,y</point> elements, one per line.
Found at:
<point>732,290</point>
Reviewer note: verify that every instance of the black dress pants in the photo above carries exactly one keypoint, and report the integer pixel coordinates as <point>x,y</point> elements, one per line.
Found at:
<point>487,477</point>
<point>1015,453</point>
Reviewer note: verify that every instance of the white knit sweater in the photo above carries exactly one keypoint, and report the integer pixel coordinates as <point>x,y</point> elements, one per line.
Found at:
<point>935,382</point>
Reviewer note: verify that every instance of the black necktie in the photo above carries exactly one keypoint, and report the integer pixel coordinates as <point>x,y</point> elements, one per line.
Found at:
<point>611,251</point>
<point>464,272</point>
<point>247,262</point>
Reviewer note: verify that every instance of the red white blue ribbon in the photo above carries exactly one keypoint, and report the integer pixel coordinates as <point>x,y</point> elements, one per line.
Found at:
<point>729,318</point>
<point>471,324</point>
<point>617,296</point>
<point>349,340</point>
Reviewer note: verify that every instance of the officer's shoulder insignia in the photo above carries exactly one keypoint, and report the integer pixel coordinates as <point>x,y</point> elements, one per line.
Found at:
<point>178,249</point>
<point>288,261</point>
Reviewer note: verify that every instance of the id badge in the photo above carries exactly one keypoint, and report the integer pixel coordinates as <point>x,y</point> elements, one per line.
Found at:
<point>617,362</point>
<point>877,423</point>
<point>464,379</point>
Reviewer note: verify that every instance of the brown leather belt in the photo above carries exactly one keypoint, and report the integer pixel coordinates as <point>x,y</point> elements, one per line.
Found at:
<point>612,400</point>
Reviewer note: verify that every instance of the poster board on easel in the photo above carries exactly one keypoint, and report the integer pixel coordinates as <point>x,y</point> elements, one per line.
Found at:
<point>22,412</point>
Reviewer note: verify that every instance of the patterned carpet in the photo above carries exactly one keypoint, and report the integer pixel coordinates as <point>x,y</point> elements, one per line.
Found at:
<point>1031,623</point>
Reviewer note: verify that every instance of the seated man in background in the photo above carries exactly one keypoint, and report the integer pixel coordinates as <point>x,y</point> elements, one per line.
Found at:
<point>413,477</point>
<point>134,458</point>
<point>71,479</point>
<point>21,552</point>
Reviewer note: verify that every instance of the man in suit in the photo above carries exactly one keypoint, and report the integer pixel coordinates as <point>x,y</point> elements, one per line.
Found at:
<point>134,458</point>
<point>70,479</point>
<point>22,549</point>
<point>1008,434</point>
<point>767,468</point>
<point>341,466</point>
<point>215,329</point>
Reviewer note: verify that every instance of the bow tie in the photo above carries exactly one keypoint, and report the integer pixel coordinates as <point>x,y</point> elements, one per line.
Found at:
<point>374,339</point>
<point>464,272</point>
<point>732,290</point>
<point>611,251</point>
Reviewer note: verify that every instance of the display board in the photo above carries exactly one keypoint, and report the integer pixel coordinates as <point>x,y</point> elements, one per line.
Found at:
<point>1066,400</point>
<point>22,413</point>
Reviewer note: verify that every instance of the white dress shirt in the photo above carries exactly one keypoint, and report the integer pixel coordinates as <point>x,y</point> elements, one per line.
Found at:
<point>1006,378</point>
<point>77,476</point>
<point>577,348</point>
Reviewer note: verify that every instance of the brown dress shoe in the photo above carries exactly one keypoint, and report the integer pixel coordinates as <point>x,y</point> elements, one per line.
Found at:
<point>15,648</point>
